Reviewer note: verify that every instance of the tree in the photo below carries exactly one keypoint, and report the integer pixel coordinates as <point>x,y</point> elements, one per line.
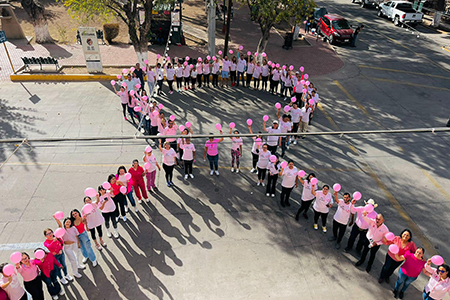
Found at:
<point>269,13</point>
<point>36,12</point>
<point>127,11</point>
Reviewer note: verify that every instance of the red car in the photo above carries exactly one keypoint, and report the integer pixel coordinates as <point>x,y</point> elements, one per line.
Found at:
<point>335,28</point>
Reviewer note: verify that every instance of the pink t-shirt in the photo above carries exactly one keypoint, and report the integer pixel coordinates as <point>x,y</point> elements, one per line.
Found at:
<point>226,64</point>
<point>199,68</point>
<point>412,266</point>
<point>410,247</point>
<point>212,147</point>
<point>152,160</point>
<point>170,131</point>
<point>94,218</point>
<point>29,273</point>
<point>169,157</point>
<point>188,150</point>
<point>110,206</point>
<point>14,290</point>
<point>71,235</point>
<point>123,97</point>
<point>54,246</point>
<point>237,142</point>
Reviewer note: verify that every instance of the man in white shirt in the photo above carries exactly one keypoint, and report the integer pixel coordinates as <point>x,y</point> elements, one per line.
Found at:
<point>340,218</point>
<point>285,127</point>
<point>304,118</point>
<point>241,69</point>
<point>226,64</point>
<point>273,141</point>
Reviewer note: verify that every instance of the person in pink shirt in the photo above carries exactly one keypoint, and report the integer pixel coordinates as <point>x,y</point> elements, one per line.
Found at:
<point>215,72</point>
<point>199,68</point>
<point>405,244</point>
<point>11,285</point>
<point>188,156</point>
<point>439,284</point>
<point>150,173</point>
<point>212,153</point>
<point>50,268</point>
<point>137,174</point>
<point>123,94</point>
<point>206,71</point>
<point>169,162</point>
<point>31,276</point>
<point>55,246</point>
<point>409,271</point>
<point>171,129</point>
<point>226,65</point>
<point>236,150</point>
<point>109,210</point>
<point>94,221</point>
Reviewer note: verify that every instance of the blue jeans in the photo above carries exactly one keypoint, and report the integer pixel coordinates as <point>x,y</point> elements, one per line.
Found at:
<point>283,146</point>
<point>426,297</point>
<point>240,75</point>
<point>52,283</point>
<point>403,278</point>
<point>213,162</point>
<point>353,41</point>
<point>86,248</point>
<point>61,258</point>
<point>130,197</point>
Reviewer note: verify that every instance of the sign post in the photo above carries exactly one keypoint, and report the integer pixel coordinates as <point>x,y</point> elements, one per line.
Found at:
<point>3,41</point>
<point>91,49</point>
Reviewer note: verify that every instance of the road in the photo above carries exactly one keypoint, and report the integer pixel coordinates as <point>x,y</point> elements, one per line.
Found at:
<point>221,237</point>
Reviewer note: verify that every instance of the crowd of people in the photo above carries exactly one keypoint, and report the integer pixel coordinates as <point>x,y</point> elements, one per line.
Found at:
<point>105,207</point>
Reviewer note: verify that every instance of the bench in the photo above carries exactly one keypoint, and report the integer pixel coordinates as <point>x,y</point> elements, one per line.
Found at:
<point>29,61</point>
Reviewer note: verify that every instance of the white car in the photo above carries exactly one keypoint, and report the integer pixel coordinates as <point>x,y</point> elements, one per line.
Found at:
<point>400,12</point>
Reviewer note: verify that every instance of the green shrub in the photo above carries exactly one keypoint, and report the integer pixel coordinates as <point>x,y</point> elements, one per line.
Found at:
<point>111,31</point>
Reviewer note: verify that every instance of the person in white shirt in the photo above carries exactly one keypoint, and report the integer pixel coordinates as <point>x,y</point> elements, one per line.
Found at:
<point>274,169</point>
<point>187,75</point>
<point>194,76</point>
<point>296,114</point>
<point>290,179</point>
<point>285,127</point>
<point>304,118</point>
<point>151,78</point>
<point>236,150</point>
<point>273,141</point>
<point>374,239</point>
<point>340,218</point>
<point>206,71</point>
<point>288,83</point>
<point>321,206</point>
<point>275,80</point>
<point>283,74</point>
<point>439,284</point>
<point>199,68</point>
<point>215,72</point>
<point>264,74</point>
<point>241,64</point>
<point>170,73</point>
<point>233,67</point>
<point>179,76</point>
<point>263,162</point>
<point>255,154</point>
<point>256,75</point>
<point>250,69</point>
<point>307,196</point>
<point>226,64</point>
<point>159,76</point>
<point>188,156</point>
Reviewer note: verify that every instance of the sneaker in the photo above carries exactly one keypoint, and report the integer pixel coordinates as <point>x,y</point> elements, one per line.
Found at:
<point>124,218</point>
<point>192,175</point>
<point>68,277</point>
<point>211,173</point>
<point>252,170</point>
<point>117,219</point>
<point>267,194</point>
<point>295,142</point>
<point>258,184</point>
<point>287,147</point>
<point>82,267</point>
<point>324,229</point>
<point>217,173</point>
<point>115,234</point>
<point>126,209</point>
<point>55,297</point>
<point>273,195</point>
<point>63,281</point>
<point>338,246</point>
<point>147,200</point>
<point>400,295</point>
<point>94,263</point>
<point>77,275</point>
<point>171,183</point>
<point>256,172</point>
<point>140,201</point>
<point>232,169</point>
<point>316,226</point>
<point>237,171</point>
<point>168,184</point>
<point>186,176</point>
<point>263,184</point>
<point>136,209</point>
<point>85,259</point>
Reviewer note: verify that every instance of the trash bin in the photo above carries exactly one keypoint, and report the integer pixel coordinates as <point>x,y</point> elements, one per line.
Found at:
<point>288,39</point>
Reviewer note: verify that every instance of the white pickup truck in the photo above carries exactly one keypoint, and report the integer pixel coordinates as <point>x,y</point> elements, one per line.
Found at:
<point>400,12</point>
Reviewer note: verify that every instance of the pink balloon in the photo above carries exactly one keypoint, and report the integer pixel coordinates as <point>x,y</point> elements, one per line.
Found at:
<point>264,54</point>
<point>144,98</point>
<point>146,61</point>
<point>185,63</point>
<point>155,113</point>
<point>302,69</point>
<point>147,165</point>
<point>220,52</point>
<point>188,124</point>
<point>249,122</point>
<point>218,126</point>
<point>132,69</point>
<point>287,108</point>
<point>314,180</point>
<point>131,92</point>
<point>119,77</point>
<point>357,196</point>
<point>137,108</point>
<point>293,99</point>
<point>232,125</point>
<point>168,58</point>
<point>302,82</point>
<point>113,82</point>
<point>249,53</point>
<point>124,84</point>
<point>336,187</point>
<point>291,67</point>
<point>273,65</point>
<point>123,189</point>
<point>284,68</point>
<point>59,215</point>
<point>266,118</point>
<point>124,71</point>
<point>241,47</point>
<point>389,236</point>
<point>231,51</point>
<point>59,233</point>
<point>172,118</point>
<point>127,176</point>
<point>301,173</point>
<point>39,254</point>
<point>144,69</point>
<point>311,102</point>
<point>368,208</point>
<point>181,127</point>
<point>160,106</point>
<point>437,260</point>
<point>15,257</point>
<point>138,86</point>
<point>208,57</point>
<point>199,59</point>
<point>148,149</point>
<point>191,66</point>
<point>258,142</point>
<point>9,269</point>
<point>307,83</point>
<point>273,158</point>
<point>90,192</point>
<point>284,164</point>
<point>214,57</point>
<point>106,185</point>
<point>269,62</point>
<point>304,91</point>
<point>87,208</point>
<point>187,58</point>
<point>393,249</point>
<point>277,105</point>
<point>256,53</point>
<point>306,76</point>
<point>277,65</point>
<point>158,56</point>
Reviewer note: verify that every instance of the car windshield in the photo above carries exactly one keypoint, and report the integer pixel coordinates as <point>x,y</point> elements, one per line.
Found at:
<point>404,6</point>
<point>341,24</point>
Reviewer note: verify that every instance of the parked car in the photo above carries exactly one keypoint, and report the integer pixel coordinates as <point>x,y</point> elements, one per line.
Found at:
<point>335,28</point>
<point>400,12</point>
<point>366,3</point>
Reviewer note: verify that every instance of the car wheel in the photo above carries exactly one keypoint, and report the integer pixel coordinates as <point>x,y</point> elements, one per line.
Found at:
<point>396,21</point>
<point>331,39</point>
<point>363,3</point>
<point>380,13</point>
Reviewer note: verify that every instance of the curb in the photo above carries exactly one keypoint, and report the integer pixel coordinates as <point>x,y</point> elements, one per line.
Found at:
<point>60,77</point>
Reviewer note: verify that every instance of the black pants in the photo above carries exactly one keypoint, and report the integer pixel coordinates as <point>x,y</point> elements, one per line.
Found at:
<point>170,83</point>
<point>248,79</point>
<point>299,101</point>
<point>199,79</point>
<point>34,287</point>
<point>110,216</point>
<point>233,76</point>
<point>124,110</point>
<point>160,85</point>
<point>169,172</point>
<point>264,82</point>
<point>304,207</point>
<point>354,234</point>
<point>53,286</point>
<point>295,128</point>
<point>274,86</point>
<point>119,200</point>
<point>285,193</point>
<point>366,249</point>
<point>187,81</point>
<point>322,215</point>
<point>338,230</point>
<point>255,160</point>
<point>173,145</point>
<point>271,184</point>
<point>286,89</point>
<point>261,173</point>
<point>99,230</point>
<point>389,267</point>
<point>193,81</point>
<point>272,149</point>
<point>179,82</point>
<point>206,79</point>
<point>256,83</point>
<point>188,166</point>
<point>215,81</point>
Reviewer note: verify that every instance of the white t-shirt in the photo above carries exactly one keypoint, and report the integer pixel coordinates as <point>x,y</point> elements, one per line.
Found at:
<point>236,143</point>
<point>285,127</point>
<point>307,195</point>
<point>199,68</point>
<point>305,114</point>
<point>289,176</point>
<point>275,75</point>
<point>343,212</point>
<point>188,150</point>
<point>241,65</point>
<point>179,72</point>
<point>205,69</point>
<point>265,70</point>
<point>263,160</point>
<point>295,114</point>
<point>159,73</point>
<point>170,73</point>
<point>187,71</point>
<point>94,218</point>
<point>322,200</point>
<point>150,76</point>
<point>169,157</point>
<point>257,72</point>
<point>226,64</point>
<point>274,168</point>
<point>250,68</point>
<point>233,66</point>
<point>110,206</point>
<point>273,140</point>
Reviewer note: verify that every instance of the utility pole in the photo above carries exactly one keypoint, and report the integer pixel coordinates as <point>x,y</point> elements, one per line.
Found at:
<point>227,34</point>
<point>211,28</point>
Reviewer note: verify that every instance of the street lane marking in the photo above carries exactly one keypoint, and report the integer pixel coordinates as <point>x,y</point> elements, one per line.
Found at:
<point>436,184</point>
<point>402,71</point>
<point>328,117</point>
<point>21,246</point>
<point>408,83</point>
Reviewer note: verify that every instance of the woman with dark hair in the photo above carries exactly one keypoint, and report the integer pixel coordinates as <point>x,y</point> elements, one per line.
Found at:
<point>274,169</point>
<point>123,94</point>
<point>212,153</point>
<point>263,161</point>
<point>31,276</point>
<point>250,69</point>
<point>255,154</point>
<point>404,244</point>
<point>122,180</point>
<point>170,73</point>
<point>169,161</point>
<point>233,66</point>
<point>55,246</point>
<point>409,271</point>
<point>206,71</point>
<point>11,285</point>
<point>322,205</point>
<point>439,284</point>
<point>109,210</point>
<point>236,150</point>
<point>307,196</point>
<point>94,221</point>
<point>118,197</point>
<point>50,268</point>
<point>85,243</point>
<point>290,179</point>
<point>264,74</point>
<point>137,176</point>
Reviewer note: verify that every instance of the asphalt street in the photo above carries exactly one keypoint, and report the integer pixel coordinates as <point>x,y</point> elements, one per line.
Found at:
<point>221,237</point>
